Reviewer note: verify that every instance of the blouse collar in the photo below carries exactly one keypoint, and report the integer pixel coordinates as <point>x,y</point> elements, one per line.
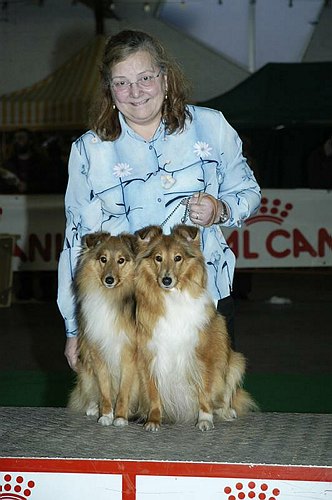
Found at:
<point>127,130</point>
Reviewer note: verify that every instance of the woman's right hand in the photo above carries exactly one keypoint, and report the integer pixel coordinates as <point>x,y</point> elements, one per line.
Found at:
<point>71,352</point>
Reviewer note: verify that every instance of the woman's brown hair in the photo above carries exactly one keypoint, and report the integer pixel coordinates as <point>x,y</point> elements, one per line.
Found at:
<point>104,118</point>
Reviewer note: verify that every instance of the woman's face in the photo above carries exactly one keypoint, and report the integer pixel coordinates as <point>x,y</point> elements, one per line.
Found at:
<point>141,106</point>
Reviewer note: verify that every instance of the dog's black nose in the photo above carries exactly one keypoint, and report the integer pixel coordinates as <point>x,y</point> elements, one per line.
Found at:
<point>109,280</point>
<point>167,281</point>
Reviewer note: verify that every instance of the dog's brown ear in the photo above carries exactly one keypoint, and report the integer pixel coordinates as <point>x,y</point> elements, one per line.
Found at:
<point>147,234</point>
<point>188,233</point>
<point>130,241</point>
<point>91,240</point>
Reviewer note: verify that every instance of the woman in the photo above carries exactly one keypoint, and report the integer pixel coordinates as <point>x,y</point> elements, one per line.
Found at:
<point>150,158</point>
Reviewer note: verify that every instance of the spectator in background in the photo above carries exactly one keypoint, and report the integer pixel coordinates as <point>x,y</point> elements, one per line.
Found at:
<point>25,163</point>
<point>56,172</point>
<point>319,166</point>
<point>8,181</point>
<point>28,171</point>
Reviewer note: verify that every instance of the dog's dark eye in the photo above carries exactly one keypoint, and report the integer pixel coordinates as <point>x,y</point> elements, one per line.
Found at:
<point>177,258</point>
<point>159,258</point>
<point>121,260</point>
<point>103,259</point>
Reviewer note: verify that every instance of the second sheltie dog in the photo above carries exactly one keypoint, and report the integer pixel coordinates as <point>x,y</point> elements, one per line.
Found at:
<point>188,370</point>
<point>107,381</point>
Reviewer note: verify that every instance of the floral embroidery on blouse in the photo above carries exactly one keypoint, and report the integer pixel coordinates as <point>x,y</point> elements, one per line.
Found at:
<point>167,181</point>
<point>202,149</point>
<point>122,170</point>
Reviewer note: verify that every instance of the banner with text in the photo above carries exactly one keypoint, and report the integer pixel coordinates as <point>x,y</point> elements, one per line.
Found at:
<point>291,229</point>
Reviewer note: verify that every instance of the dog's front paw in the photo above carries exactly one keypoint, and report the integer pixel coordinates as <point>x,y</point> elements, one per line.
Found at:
<point>120,422</point>
<point>92,410</point>
<point>151,426</point>
<point>226,414</point>
<point>204,425</point>
<point>106,419</point>
<point>205,421</point>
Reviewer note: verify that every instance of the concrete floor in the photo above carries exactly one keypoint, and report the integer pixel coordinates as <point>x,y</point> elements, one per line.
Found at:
<point>292,337</point>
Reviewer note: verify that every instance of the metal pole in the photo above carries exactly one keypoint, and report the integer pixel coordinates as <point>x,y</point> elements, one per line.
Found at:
<point>252,36</point>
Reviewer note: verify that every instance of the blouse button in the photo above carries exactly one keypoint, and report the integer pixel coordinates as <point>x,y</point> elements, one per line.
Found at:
<point>94,140</point>
<point>159,200</point>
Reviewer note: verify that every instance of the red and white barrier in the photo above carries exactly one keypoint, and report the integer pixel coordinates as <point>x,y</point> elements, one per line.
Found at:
<point>50,479</point>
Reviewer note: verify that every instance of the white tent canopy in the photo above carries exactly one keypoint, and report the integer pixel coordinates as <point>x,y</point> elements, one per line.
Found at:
<point>63,98</point>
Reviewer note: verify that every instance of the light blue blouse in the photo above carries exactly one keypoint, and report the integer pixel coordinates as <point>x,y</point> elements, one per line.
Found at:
<point>131,183</point>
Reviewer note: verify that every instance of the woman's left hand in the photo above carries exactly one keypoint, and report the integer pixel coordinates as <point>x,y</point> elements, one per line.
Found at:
<point>202,209</point>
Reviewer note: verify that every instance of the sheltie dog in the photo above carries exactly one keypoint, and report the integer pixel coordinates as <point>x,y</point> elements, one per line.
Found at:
<point>189,371</point>
<point>107,380</point>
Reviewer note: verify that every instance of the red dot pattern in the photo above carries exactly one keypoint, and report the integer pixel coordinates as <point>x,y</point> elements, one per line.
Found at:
<point>261,492</point>
<point>17,487</point>
<point>276,208</point>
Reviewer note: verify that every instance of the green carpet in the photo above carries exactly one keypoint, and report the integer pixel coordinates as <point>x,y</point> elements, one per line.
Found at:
<point>34,388</point>
<point>293,393</point>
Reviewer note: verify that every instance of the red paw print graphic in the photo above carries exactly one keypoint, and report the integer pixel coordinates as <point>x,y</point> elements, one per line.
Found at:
<point>251,491</point>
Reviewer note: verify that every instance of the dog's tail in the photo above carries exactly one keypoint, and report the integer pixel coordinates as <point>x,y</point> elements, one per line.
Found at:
<point>243,403</point>
<point>85,395</point>
<point>236,397</point>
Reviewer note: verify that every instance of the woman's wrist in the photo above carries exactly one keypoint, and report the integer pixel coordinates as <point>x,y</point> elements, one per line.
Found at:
<point>223,213</point>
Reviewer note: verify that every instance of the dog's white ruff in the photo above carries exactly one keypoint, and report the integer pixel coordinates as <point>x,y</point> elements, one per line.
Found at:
<point>173,343</point>
<point>101,329</point>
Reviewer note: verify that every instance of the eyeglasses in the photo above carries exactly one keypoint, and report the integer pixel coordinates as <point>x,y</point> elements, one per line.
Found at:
<point>145,82</point>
